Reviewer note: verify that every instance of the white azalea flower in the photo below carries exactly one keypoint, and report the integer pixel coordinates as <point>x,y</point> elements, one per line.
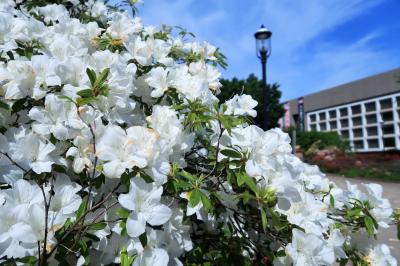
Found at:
<point>108,249</point>
<point>382,210</point>
<point>32,152</point>
<point>65,201</point>
<point>380,256</point>
<point>143,200</point>
<point>309,249</point>
<point>59,117</point>
<point>152,253</point>
<point>122,151</point>
<point>160,79</point>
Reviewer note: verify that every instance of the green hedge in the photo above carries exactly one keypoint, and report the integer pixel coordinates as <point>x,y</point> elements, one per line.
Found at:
<point>322,139</point>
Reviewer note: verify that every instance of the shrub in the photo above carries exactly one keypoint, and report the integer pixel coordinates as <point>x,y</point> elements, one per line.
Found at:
<point>114,149</point>
<point>322,140</point>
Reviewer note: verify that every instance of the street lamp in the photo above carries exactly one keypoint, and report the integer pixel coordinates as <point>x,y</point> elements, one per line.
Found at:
<point>263,50</point>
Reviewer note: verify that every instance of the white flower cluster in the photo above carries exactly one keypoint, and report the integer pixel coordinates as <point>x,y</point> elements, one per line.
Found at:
<point>99,119</point>
<point>23,222</point>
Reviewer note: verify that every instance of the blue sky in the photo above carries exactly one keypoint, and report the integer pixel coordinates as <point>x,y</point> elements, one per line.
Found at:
<point>316,44</point>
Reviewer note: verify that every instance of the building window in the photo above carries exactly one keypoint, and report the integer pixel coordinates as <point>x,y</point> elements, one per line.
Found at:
<point>345,134</point>
<point>322,116</point>
<point>389,142</point>
<point>372,131</point>
<point>343,112</point>
<point>313,127</point>
<point>322,126</point>
<point>356,121</point>
<point>387,116</point>
<point>333,124</point>
<point>332,114</point>
<point>344,123</point>
<point>386,104</point>
<point>358,144</point>
<point>373,143</point>
<point>356,109</point>
<point>313,118</point>
<point>388,129</point>
<point>370,107</point>
<point>357,133</point>
<point>371,119</point>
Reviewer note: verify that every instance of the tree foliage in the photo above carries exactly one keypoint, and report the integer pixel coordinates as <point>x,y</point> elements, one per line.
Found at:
<point>254,87</point>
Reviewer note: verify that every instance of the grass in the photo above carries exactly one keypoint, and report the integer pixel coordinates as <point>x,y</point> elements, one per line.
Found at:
<point>372,173</point>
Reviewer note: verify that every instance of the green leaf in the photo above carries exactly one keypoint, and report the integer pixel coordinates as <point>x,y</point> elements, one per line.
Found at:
<point>92,75</point>
<point>146,177</point>
<point>246,196</point>
<point>87,93</point>
<point>125,259</point>
<point>331,201</point>
<point>10,55</point>
<point>81,210</point>
<point>240,178</point>
<point>354,212</point>
<point>58,168</point>
<point>243,178</point>
<point>251,183</point>
<point>206,202</point>
<point>182,184</point>
<point>226,123</point>
<point>231,153</point>
<point>369,225</point>
<point>263,219</point>
<point>97,226</point>
<point>122,225</point>
<point>123,213</point>
<point>143,239</point>
<point>188,176</point>
<point>18,105</point>
<point>125,178</point>
<point>92,237</point>
<point>83,101</point>
<point>83,248</point>
<point>4,105</point>
<point>343,262</point>
<point>64,97</point>
<point>195,197</point>
<point>276,221</point>
<point>31,260</point>
<point>102,77</point>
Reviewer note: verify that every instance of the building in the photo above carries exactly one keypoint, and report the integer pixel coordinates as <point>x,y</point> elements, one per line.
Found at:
<point>366,112</point>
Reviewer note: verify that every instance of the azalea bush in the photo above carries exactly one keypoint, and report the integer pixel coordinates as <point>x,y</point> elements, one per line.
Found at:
<point>115,149</point>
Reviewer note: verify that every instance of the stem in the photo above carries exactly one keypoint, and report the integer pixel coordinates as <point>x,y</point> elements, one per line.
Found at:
<point>39,261</point>
<point>13,162</point>
<point>82,218</point>
<point>221,131</point>
<point>46,229</point>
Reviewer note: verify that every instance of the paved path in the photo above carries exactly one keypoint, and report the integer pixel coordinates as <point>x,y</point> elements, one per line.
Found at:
<point>391,191</point>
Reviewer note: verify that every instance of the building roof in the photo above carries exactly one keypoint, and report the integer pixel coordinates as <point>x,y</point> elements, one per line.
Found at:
<point>373,86</point>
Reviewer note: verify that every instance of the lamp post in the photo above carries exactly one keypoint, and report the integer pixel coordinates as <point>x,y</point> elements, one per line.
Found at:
<point>263,50</point>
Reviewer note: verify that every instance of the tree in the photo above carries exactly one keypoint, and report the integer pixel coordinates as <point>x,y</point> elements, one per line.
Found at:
<point>254,87</point>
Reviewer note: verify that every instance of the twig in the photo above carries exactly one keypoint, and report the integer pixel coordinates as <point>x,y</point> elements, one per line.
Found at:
<point>95,207</point>
<point>14,162</point>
